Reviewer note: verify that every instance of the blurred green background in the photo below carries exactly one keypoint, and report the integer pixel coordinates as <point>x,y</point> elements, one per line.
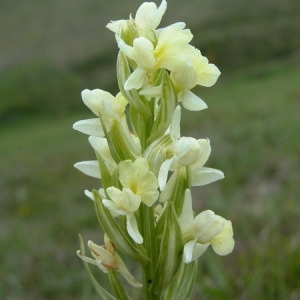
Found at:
<point>51,50</point>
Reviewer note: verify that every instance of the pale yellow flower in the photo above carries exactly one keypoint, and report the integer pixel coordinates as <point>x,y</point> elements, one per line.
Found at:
<point>124,203</point>
<point>196,71</point>
<point>147,17</point>
<point>103,103</point>
<point>170,53</point>
<point>203,230</point>
<point>191,152</point>
<point>172,46</point>
<point>136,177</point>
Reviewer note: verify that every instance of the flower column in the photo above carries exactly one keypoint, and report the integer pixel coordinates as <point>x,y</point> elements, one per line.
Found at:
<point>146,168</point>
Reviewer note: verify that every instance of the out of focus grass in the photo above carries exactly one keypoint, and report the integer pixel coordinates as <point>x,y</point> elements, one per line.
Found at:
<point>252,122</point>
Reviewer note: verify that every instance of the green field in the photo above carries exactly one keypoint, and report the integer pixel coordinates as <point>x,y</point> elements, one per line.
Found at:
<point>252,122</point>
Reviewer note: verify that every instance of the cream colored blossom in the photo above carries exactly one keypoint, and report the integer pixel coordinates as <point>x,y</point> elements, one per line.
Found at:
<point>124,203</point>
<point>191,152</point>
<point>184,79</point>
<point>106,259</point>
<point>147,17</point>
<point>196,71</point>
<point>103,103</point>
<point>204,230</point>
<point>172,47</point>
<point>136,177</point>
<point>170,53</point>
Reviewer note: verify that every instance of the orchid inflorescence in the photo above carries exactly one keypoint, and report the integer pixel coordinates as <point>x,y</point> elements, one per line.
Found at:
<point>146,168</point>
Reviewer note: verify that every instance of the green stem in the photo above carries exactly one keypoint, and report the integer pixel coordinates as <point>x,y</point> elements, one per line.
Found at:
<point>147,230</point>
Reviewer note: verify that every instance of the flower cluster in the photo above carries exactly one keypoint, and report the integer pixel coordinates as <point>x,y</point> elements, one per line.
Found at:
<point>146,167</point>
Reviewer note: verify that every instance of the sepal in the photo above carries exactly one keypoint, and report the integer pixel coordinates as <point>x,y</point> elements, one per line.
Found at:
<point>89,127</point>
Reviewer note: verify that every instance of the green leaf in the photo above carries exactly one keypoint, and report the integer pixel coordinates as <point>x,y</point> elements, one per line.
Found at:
<point>123,147</point>
<point>166,109</point>
<point>170,251</point>
<point>112,148</point>
<point>99,289</point>
<point>139,125</point>
<point>132,96</point>
<point>182,285</point>
<point>106,177</point>
<point>117,287</point>
<point>120,238</point>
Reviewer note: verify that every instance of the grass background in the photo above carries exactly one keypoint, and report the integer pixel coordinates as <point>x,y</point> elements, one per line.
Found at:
<point>50,51</point>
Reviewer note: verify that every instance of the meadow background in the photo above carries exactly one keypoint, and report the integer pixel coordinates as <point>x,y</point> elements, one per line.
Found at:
<point>51,50</point>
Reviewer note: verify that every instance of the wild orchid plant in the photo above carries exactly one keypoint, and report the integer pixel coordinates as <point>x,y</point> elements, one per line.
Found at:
<point>146,167</point>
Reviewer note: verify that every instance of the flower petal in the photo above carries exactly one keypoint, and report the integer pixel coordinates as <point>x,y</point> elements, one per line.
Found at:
<point>198,250</point>
<point>171,50</point>
<point>175,125</point>
<point>89,194</point>
<point>203,155</point>
<point>185,78</point>
<point>136,79</point>
<point>113,208</point>
<point>89,167</point>
<point>187,254</point>
<point>154,91</point>
<point>117,26</point>
<point>89,127</point>
<point>93,99</point>
<point>127,50</point>
<point>100,145</point>
<point>207,225</point>
<point>103,256</point>
<point>143,52</point>
<point>203,176</point>
<point>148,16</point>
<point>136,177</point>
<point>208,76</point>
<point>223,243</point>
<point>192,102</point>
<point>186,217</point>
<point>186,150</point>
<point>126,200</point>
<point>163,173</point>
<point>132,229</point>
